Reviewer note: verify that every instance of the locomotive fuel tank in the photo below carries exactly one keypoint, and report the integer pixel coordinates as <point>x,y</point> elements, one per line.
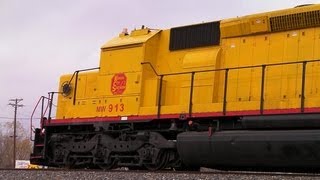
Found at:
<point>249,148</point>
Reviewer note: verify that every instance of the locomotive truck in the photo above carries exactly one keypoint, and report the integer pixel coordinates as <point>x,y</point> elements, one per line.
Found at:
<point>241,92</point>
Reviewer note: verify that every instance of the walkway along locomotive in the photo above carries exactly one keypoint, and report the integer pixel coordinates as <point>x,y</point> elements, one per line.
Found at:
<point>241,92</point>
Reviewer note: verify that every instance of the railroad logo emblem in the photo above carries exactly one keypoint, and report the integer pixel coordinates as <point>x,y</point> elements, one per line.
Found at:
<point>118,83</point>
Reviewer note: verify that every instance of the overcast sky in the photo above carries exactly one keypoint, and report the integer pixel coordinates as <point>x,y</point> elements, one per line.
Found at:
<point>42,39</point>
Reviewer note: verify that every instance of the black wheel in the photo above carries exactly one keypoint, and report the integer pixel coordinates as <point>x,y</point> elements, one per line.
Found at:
<point>70,163</point>
<point>160,163</point>
<point>107,166</point>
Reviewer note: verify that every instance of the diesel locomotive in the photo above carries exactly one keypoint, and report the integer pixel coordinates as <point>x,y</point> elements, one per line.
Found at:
<point>240,92</point>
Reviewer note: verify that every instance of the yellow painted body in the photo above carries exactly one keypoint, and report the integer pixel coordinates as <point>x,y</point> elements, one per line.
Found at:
<point>245,41</point>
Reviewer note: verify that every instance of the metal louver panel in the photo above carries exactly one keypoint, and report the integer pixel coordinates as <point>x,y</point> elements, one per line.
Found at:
<point>193,36</point>
<point>295,21</point>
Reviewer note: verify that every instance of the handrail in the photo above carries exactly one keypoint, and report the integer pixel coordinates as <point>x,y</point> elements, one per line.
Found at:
<point>50,102</point>
<point>76,74</point>
<point>41,99</point>
<point>263,73</point>
<point>226,70</point>
<point>31,119</point>
<point>191,94</point>
<point>242,67</point>
<point>81,70</point>
<point>153,69</point>
<point>224,107</point>
<point>303,84</point>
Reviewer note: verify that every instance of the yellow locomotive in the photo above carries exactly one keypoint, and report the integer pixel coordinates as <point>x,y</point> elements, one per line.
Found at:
<point>242,88</point>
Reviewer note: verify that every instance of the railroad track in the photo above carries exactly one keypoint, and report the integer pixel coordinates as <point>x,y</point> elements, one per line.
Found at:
<point>205,172</point>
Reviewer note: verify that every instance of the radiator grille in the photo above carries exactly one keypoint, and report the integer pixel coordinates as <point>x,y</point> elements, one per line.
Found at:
<point>199,35</point>
<point>295,21</point>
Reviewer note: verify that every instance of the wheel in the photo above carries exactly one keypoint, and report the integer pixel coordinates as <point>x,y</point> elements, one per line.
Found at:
<point>70,163</point>
<point>107,166</point>
<point>104,160</point>
<point>161,161</point>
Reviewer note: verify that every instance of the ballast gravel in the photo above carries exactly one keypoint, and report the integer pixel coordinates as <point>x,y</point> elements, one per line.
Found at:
<point>97,175</point>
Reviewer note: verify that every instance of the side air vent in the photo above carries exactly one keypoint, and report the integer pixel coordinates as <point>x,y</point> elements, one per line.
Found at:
<point>193,36</point>
<point>295,21</point>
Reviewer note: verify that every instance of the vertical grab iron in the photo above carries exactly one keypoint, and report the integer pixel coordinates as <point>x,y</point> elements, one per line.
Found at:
<point>50,104</point>
<point>191,94</point>
<point>42,113</point>
<point>225,91</point>
<point>75,88</point>
<point>263,73</point>
<point>42,116</point>
<point>159,97</point>
<point>303,84</point>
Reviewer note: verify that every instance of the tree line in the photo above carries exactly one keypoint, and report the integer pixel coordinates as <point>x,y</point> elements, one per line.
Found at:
<point>23,144</point>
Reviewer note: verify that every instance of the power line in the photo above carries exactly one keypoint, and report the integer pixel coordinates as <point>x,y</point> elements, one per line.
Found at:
<point>22,119</point>
<point>18,119</point>
<point>3,117</point>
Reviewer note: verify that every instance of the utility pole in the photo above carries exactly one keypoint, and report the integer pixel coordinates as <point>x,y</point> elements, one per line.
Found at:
<point>15,104</point>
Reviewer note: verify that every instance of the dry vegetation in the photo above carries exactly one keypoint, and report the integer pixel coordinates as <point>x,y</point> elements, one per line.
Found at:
<point>23,145</point>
